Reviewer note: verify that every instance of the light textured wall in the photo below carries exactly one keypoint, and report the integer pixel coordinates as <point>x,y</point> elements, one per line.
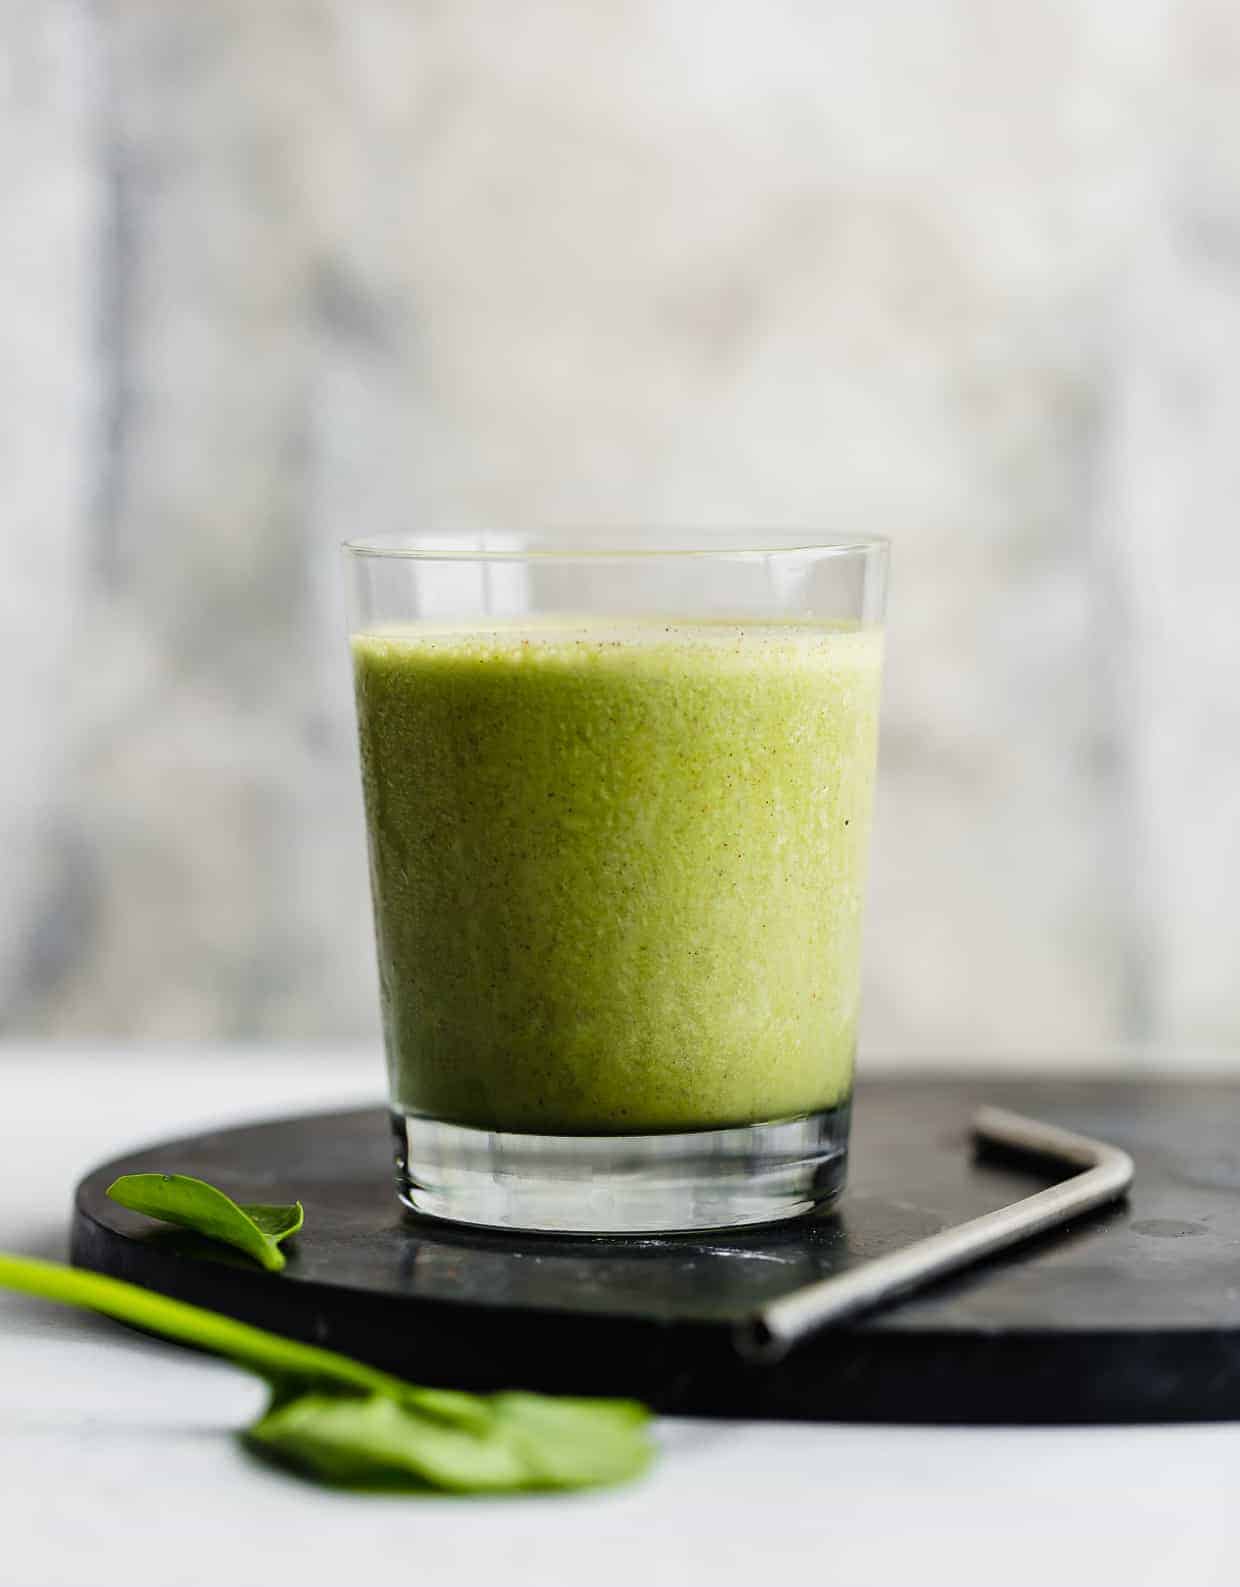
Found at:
<point>965,273</point>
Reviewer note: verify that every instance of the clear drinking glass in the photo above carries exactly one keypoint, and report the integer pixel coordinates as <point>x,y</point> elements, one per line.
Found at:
<point>618,803</point>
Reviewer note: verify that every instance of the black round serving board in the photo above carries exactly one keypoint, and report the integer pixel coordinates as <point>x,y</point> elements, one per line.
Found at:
<point>1130,1315</point>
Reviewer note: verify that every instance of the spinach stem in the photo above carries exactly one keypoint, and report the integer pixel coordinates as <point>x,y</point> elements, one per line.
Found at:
<point>271,1355</point>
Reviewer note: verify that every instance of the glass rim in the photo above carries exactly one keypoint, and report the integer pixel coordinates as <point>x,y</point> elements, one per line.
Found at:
<point>469,545</point>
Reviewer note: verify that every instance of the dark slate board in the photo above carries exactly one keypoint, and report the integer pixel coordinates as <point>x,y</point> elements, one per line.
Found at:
<point>1131,1315</point>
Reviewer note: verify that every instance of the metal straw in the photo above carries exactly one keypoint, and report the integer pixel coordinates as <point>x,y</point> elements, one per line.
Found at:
<point>1103,1174</point>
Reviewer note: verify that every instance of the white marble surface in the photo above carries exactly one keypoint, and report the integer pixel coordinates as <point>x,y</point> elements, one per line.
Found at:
<point>962,271</point>
<point>117,1468</point>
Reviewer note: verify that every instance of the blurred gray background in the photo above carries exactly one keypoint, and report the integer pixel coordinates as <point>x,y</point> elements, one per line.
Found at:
<point>963,272</point>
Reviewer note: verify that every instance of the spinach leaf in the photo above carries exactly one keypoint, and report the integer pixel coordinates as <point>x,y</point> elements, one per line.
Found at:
<point>523,1441</point>
<point>341,1421</point>
<point>193,1204</point>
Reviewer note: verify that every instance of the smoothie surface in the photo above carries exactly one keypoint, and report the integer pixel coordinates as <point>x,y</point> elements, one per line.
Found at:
<point>618,868</point>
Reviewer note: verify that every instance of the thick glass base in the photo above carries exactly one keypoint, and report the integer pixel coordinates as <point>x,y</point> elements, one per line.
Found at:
<point>622,1184</point>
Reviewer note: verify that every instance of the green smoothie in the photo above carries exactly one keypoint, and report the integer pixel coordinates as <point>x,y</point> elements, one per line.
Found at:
<point>618,870</point>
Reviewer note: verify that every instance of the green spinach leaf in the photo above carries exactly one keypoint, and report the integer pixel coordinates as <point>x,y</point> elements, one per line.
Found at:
<point>521,1441</point>
<point>340,1421</point>
<point>193,1204</point>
